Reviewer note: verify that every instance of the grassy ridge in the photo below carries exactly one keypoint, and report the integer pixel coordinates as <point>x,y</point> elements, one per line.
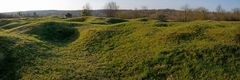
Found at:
<point>136,49</point>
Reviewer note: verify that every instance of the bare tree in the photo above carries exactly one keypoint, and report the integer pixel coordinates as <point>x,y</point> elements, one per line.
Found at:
<point>236,10</point>
<point>201,13</point>
<point>111,9</point>
<point>136,13</point>
<point>144,8</point>
<point>220,13</point>
<point>236,13</point>
<point>219,9</point>
<point>35,14</point>
<point>187,12</point>
<point>144,11</point>
<point>86,10</point>
<point>19,14</point>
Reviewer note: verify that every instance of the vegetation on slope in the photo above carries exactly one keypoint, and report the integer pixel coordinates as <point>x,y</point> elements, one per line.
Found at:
<point>137,49</point>
<point>17,52</point>
<point>180,52</point>
<point>54,31</point>
<point>108,20</point>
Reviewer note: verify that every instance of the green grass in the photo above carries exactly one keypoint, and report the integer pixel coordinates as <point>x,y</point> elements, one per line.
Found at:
<point>18,52</point>
<point>80,19</point>
<point>54,31</point>
<point>52,48</point>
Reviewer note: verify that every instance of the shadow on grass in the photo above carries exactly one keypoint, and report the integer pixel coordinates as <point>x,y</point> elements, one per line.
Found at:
<point>67,40</point>
<point>15,56</point>
<point>55,33</point>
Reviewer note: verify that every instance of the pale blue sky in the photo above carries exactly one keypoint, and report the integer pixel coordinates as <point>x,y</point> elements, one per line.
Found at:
<point>24,5</point>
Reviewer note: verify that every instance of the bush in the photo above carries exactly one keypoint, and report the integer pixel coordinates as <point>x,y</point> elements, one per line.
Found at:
<point>162,18</point>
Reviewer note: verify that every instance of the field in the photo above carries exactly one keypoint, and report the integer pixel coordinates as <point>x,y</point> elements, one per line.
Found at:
<point>110,48</point>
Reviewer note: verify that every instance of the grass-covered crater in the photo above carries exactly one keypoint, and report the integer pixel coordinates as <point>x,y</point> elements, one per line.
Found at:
<point>54,31</point>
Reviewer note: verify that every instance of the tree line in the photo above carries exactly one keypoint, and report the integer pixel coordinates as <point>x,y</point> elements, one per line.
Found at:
<point>186,13</point>
<point>111,9</point>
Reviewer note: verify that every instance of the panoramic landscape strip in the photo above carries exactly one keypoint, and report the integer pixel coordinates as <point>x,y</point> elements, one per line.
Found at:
<point>114,43</point>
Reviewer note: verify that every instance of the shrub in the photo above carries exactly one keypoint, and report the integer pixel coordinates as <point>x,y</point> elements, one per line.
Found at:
<point>162,18</point>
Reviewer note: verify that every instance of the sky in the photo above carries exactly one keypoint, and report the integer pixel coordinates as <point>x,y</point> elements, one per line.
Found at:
<point>25,5</point>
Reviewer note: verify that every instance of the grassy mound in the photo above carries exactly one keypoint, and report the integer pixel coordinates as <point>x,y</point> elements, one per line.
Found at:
<point>108,20</point>
<point>17,52</point>
<point>181,52</point>
<point>215,62</point>
<point>130,50</point>
<point>195,32</point>
<point>4,22</point>
<point>54,31</point>
<point>92,39</point>
<point>99,21</point>
<point>13,25</point>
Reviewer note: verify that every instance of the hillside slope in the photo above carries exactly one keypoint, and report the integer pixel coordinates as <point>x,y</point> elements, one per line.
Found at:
<point>96,48</point>
<point>18,52</point>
